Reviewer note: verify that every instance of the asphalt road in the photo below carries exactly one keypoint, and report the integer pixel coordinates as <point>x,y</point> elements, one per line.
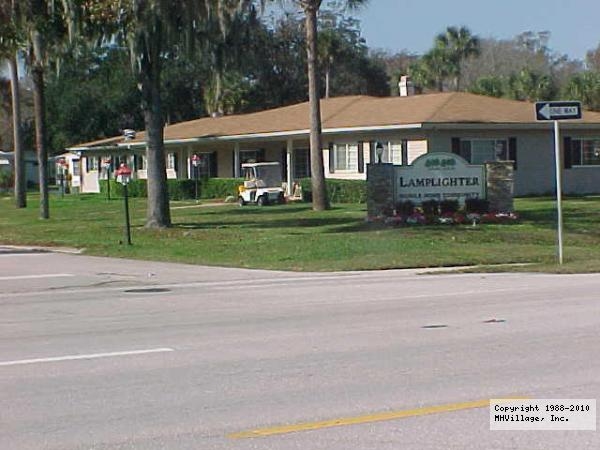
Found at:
<point>114,354</point>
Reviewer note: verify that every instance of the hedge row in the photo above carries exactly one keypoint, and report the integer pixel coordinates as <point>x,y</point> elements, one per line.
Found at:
<point>339,191</point>
<point>7,180</point>
<point>208,188</point>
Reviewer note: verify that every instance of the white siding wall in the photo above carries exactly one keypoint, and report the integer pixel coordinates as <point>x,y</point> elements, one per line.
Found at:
<point>416,149</point>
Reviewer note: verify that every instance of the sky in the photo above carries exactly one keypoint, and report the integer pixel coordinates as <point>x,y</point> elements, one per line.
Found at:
<point>412,25</point>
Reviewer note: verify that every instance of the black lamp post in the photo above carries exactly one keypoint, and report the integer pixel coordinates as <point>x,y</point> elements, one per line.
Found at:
<point>124,177</point>
<point>379,152</point>
<point>195,163</point>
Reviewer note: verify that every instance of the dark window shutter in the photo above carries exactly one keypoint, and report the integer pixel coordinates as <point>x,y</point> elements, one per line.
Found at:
<point>213,170</point>
<point>283,161</point>
<point>576,152</point>
<point>567,153</point>
<point>372,155</point>
<point>331,158</point>
<point>404,146</point>
<point>512,151</point>
<point>361,157</point>
<point>456,146</point>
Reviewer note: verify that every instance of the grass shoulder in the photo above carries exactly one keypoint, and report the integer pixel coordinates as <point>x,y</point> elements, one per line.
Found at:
<point>293,237</point>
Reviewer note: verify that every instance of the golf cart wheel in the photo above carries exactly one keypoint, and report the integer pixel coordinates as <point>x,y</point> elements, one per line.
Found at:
<point>241,201</point>
<point>262,200</point>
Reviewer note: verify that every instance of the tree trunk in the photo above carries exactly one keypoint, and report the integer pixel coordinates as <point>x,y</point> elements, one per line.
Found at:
<point>20,178</point>
<point>327,80</point>
<point>40,123</point>
<point>319,190</point>
<point>219,109</point>
<point>158,213</point>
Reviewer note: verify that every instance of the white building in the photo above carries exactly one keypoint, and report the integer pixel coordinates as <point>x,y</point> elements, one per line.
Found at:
<point>478,128</point>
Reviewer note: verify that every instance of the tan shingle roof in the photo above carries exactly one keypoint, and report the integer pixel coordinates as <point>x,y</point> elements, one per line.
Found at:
<point>106,141</point>
<point>363,111</point>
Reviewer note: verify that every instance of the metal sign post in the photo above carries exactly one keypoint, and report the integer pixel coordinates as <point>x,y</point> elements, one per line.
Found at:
<point>558,191</point>
<point>556,111</point>
<point>106,167</point>
<point>123,174</point>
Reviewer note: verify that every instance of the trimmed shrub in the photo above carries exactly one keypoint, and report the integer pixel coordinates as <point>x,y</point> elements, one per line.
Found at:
<point>219,187</point>
<point>7,179</point>
<point>477,205</point>
<point>208,188</point>
<point>449,206</point>
<point>405,208</point>
<point>338,191</point>
<point>431,208</point>
<point>181,189</point>
<point>135,188</point>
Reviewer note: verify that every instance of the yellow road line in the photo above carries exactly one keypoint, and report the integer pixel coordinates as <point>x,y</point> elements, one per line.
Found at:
<point>370,418</point>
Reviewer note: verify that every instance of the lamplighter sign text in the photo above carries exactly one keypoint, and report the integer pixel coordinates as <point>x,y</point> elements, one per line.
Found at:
<point>439,176</point>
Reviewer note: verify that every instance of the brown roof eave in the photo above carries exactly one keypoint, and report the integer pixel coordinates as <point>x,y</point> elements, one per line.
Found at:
<point>490,126</point>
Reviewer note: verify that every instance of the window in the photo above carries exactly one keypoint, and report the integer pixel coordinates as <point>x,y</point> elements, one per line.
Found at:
<point>392,153</point>
<point>250,156</point>
<point>76,167</point>
<point>140,162</point>
<point>301,163</point>
<point>91,164</point>
<point>171,161</point>
<point>346,157</point>
<point>479,151</point>
<point>585,152</point>
<point>206,165</point>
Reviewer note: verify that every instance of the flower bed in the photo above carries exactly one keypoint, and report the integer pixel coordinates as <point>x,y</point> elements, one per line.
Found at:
<point>433,212</point>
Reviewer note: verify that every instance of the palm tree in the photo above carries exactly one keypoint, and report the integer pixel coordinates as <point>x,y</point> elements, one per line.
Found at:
<point>319,189</point>
<point>584,87</point>
<point>10,41</point>
<point>437,66</point>
<point>151,28</point>
<point>328,47</point>
<point>531,86</point>
<point>459,44</point>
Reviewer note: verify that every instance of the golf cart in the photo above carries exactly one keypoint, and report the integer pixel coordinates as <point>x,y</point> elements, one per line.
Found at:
<point>262,184</point>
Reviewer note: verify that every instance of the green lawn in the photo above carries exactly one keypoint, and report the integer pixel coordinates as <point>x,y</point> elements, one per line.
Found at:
<point>292,237</point>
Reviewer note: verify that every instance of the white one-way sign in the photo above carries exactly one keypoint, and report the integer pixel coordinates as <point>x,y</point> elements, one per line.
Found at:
<point>557,110</point>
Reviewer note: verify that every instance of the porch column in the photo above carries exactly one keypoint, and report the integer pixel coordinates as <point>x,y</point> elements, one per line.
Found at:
<point>181,165</point>
<point>185,163</point>
<point>236,160</point>
<point>290,166</point>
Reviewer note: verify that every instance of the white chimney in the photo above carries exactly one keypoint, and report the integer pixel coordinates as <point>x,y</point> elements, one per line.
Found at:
<point>129,134</point>
<point>406,86</point>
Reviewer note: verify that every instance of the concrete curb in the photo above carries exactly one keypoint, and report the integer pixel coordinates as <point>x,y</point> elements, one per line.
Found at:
<point>41,249</point>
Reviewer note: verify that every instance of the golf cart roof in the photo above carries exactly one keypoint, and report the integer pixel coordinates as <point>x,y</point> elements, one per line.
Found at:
<point>261,164</point>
